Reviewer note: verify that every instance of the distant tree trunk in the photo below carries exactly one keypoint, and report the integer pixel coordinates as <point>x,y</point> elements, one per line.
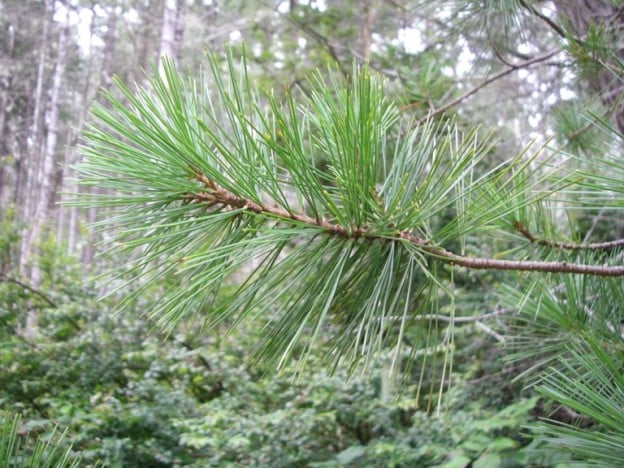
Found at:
<point>68,217</point>
<point>29,163</point>
<point>579,15</point>
<point>368,15</point>
<point>110,42</point>
<point>179,28</point>
<point>6,79</point>
<point>145,39</point>
<point>73,155</point>
<point>171,32</point>
<point>45,176</point>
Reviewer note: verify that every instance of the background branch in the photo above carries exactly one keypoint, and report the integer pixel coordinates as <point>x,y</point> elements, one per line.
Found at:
<point>36,292</point>
<point>491,79</point>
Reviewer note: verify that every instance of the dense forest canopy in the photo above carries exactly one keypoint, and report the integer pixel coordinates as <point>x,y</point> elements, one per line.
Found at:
<point>325,233</point>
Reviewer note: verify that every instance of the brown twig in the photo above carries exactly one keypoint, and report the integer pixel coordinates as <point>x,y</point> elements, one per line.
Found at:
<point>221,196</point>
<point>218,195</point>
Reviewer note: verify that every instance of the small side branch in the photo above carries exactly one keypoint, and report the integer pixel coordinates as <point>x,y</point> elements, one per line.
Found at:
<point>594,246</point>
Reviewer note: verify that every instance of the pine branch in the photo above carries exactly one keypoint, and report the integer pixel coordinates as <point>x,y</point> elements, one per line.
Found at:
<point>201,180</point>
<point>220,196</point>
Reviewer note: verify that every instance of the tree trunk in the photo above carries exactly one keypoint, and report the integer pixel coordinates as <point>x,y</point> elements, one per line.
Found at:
<point>68,216</point>
<point>44,182</point>
<point>366,30</point>
<point>110,42</point>
<point>6,79</point>
<point>29,163</point>
<point>171,32</point>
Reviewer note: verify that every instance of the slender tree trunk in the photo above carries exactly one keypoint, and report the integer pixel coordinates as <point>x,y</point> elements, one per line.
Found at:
<point>110,42</point>
<point>72,156</point>
<point>171,32</point>
<point>29,163</point>
<point>368,15</point>
<point>47,171</point>
<point>6,79</point>
<point>179,28</point>
<point>146,42</point>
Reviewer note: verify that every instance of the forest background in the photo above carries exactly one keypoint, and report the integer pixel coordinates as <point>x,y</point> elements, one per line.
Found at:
<point>496,368</point>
